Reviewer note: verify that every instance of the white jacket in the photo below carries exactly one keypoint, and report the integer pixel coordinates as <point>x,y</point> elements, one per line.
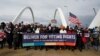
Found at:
<point>63,31</point>
<point>37,30</point>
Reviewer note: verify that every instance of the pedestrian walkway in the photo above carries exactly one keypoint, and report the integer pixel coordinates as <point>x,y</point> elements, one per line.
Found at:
<point>51,52</point>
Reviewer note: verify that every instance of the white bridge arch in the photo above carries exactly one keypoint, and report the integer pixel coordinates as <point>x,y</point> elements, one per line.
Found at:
<point>96,21</point>
<point>20,13</point>
<point>63,21</point>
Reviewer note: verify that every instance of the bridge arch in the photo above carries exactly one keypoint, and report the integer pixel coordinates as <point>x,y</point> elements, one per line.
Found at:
<point>96,21</point>
<point>63,20</point>
<point>21,12</point>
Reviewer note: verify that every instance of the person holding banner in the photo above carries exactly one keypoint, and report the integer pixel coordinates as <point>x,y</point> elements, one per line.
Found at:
<point>79,42</point>
<point>49,31</point>
<point>86,38</point>
<point>71,31</point>
<point>49,28</point>
<point>62,31</point>
<point>20,32</point>
<point>9,34</point>
<point>16,37</point>
<point>37,30</point>
<point>55,29</point>
<point>28,30</point>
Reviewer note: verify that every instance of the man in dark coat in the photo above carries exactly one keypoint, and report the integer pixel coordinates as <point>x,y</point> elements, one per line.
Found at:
<point>16,38</point>
<point>9,29</point>
<point>79,42</point>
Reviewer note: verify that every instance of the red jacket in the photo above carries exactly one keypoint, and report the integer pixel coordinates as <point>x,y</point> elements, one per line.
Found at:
<point>2,35</point>
<point>85,36</point>
<point>70,31</point>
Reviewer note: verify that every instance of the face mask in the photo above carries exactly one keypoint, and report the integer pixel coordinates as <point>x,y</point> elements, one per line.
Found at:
<point>16,26</point>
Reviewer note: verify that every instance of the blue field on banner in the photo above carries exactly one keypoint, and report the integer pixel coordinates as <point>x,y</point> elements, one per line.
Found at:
<point>28,44</point>
<point>39,43</point>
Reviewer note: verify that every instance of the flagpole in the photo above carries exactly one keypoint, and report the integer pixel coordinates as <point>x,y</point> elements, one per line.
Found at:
<point>94,11</point>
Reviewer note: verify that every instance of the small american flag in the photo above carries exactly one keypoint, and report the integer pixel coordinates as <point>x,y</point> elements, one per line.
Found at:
<point>73,19</point>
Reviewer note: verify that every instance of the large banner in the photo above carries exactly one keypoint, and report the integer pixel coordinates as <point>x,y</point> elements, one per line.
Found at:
<point>49,39</point>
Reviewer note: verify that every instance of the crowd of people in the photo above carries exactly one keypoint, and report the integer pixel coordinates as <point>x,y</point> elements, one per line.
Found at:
<point>12,34</point>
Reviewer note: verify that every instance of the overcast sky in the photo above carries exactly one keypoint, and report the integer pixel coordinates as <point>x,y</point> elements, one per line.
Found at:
<point>44,9</point>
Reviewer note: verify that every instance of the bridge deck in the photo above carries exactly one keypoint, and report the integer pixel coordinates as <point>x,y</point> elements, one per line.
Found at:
<point>51,52</point>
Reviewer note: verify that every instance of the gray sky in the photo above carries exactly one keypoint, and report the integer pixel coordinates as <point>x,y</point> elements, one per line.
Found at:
<point>44,9</point>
